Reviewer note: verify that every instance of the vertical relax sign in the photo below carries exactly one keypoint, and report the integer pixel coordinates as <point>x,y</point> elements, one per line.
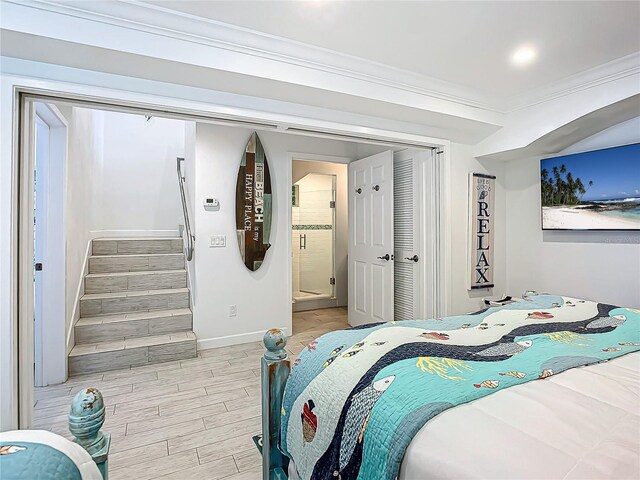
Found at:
<point>481,209</point>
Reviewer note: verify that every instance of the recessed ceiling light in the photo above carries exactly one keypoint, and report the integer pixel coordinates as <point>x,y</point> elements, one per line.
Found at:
<point>523,56</point>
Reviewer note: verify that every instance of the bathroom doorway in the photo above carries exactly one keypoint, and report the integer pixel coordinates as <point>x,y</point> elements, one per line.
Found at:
<point>318,235</point>
<point>313,237</point>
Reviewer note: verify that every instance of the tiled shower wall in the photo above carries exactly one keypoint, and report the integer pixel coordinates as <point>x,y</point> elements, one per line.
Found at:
<point>313,218</point>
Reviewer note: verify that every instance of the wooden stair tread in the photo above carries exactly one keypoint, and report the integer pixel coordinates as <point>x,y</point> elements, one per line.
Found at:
<point>130,343</point>
<point>101,239</point>
<point>133,255</point>
<point>141,272</point>
<point>133,293</point>
<point>126,317</point>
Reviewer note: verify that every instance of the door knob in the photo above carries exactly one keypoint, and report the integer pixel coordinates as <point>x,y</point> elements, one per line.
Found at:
<point>385,257</point>
<point>376,187</point>
<point>415,258</point>
<point>358,191</point>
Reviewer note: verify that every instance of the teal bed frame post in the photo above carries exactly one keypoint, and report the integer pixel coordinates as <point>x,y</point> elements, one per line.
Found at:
<point>86,417</point>
<point>275,367</point>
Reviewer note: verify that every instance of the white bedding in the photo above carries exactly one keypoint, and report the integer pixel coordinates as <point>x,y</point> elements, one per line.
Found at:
<point>581,424</point>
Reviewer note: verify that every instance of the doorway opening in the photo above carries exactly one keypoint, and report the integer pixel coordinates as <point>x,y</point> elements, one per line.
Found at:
<point>20,397</point>
<point>313,214</point>
<point>318,235</point>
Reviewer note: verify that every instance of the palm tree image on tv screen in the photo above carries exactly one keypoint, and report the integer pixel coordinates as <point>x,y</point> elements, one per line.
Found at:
<point>598,190</point>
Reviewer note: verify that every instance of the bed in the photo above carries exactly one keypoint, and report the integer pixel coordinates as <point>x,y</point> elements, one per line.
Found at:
<point>39,454</point>
<point>43,455</point>
<point>470,407</point>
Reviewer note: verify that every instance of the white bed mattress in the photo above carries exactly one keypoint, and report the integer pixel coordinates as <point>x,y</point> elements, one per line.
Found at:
<point>581,424</point>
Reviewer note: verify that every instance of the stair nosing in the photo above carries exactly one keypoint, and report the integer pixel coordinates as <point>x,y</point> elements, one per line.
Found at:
<point>103,239</point>
<point>139,272</point>
<point>129,255</point>
<point>151,342</point>
<point>133,293</point>
<point>143,315</point>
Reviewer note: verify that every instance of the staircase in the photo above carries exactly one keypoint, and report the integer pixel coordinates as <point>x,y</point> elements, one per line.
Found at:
<point>135,310</point>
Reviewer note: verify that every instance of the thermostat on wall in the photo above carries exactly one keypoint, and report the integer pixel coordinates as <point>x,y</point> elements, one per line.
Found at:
<point>210,203</point>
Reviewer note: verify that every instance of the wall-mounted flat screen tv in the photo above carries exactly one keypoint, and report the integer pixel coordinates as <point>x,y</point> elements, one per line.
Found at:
<point>598,190</point>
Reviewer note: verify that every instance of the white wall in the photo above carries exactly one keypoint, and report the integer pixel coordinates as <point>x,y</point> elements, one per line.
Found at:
<point>85,136</point>
<point>300,169</point>
<point>189,166</point>
<point>121,180</point>
<point>462,163</point>
<point>603,266</point>
<point>189,173</point>
<point>263,298</point>
<point>136,189</point>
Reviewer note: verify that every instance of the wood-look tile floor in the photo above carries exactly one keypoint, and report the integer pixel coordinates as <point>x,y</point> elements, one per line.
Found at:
<point>185,419</point>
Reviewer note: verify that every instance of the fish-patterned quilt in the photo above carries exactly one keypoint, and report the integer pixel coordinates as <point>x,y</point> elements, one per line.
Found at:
<point>356,397</point>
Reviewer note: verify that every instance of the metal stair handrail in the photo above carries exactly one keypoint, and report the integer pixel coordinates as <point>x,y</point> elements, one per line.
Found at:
<point>191,239</point>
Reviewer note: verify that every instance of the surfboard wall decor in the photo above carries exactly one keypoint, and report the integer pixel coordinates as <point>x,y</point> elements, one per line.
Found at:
<point>253,205</point>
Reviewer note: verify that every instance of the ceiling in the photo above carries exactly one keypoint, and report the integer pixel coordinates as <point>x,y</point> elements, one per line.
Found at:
<point>465,43</point>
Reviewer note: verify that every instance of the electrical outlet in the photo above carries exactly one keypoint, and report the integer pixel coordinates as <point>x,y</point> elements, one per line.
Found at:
<point>233,310</point>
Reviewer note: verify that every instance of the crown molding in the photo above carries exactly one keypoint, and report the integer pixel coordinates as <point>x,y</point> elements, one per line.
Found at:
<point>602,74</point>
<point>310,62</point>
<point>205,105</point>
<point>157,20</point>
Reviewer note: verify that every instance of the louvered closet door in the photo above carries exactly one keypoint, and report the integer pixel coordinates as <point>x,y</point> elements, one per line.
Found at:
<point>407,193</point>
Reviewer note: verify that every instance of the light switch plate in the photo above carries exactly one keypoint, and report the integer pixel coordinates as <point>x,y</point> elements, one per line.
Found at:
<point>218,241</point>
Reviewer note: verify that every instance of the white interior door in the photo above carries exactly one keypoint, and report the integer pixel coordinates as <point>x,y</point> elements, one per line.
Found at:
<point>409,220</point>
<point>371,239</point>
<point>50,327</point>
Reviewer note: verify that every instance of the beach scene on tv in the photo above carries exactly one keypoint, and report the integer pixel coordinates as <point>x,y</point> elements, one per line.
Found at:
<point>598,190</point>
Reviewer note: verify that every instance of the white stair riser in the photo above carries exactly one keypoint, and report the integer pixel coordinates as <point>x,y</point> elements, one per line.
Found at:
<point>136,263</point>
<point>132,328</point>
<point>108,246</point>
<point>131,357</point>
<point>135,281</point>
<point>138,303</point>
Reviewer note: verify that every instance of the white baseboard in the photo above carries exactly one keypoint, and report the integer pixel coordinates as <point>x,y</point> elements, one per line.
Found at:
<point>215,342</point>
<point>133,233</point>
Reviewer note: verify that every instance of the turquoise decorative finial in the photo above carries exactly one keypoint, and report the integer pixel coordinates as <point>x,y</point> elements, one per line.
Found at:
<point>274,371</point>
<point>86,417</point>
<point>274,341</point>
